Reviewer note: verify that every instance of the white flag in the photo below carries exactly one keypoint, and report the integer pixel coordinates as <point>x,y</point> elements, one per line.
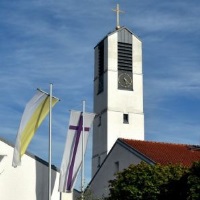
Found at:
<point>35,112</point>
<point>72,157</point>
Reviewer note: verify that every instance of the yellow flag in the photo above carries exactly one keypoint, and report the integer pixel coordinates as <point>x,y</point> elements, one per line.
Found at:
<point>35,112</point>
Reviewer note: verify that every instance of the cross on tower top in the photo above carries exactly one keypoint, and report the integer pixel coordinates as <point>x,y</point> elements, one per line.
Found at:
<point>118,11</point>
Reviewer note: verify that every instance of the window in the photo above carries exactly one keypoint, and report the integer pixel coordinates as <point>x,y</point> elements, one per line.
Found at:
<point>101,66</point>
<point>99,120</point>
<point>125,118</point>
<point>116,166</point>
<point>99,161</point>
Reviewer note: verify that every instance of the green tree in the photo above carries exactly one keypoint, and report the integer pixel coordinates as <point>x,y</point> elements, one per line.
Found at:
<point>193,182</point>
<point>147,182</point>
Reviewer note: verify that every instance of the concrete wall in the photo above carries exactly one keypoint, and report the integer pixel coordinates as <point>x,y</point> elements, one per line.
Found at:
<point>113,103</point>
<point>121,101</point>
<point>28,181</point>
<point>118,159</point>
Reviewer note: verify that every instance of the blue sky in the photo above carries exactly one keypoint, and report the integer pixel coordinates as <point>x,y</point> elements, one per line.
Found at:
<point>46,41</point>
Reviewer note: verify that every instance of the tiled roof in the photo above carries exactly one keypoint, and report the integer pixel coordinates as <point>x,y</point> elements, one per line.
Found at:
<point>166,153</point>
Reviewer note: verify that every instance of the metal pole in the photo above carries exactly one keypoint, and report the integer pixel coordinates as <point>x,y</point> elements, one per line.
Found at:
<point>82,174</point>
<point>50,119</point>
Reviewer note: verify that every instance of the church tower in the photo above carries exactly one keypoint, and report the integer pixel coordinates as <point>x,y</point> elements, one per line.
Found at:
<point>118,91</point>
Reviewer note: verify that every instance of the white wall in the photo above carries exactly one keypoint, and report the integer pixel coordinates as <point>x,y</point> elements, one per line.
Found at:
<point>124,102</point>
<point>28,181</point>
<point>99,185</point>
<point>112,103</point>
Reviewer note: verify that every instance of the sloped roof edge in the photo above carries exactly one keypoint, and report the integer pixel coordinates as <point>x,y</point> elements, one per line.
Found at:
<point>114,31</point>
<point>166,153</point>
<point>121,143</point>
<point>32,156</point>
<point>136,152</point>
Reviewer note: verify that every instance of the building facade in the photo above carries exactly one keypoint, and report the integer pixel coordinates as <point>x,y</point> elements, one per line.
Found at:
<point>118,92</point>
<point>28,181</point>
<point>127,151</point>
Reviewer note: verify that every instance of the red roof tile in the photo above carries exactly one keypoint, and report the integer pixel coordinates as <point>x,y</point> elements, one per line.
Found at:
<point>166,153</point>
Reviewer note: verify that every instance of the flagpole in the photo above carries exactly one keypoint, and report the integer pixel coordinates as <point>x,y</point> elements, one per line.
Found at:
<point>50,119</point>
<point>82,174</point>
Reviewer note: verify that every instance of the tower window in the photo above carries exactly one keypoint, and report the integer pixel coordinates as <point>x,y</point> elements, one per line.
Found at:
<point>125,118</point>
<point>99,120</point>
<point>101,66</point>
<point>116,166</point>
<point>99,161</point>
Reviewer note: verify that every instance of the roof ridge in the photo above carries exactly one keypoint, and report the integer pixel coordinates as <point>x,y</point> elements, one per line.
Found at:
<point>163,152</point>
<point>157,142</point>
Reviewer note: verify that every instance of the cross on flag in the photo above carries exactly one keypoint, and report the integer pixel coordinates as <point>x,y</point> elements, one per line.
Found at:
<point>72,157</point>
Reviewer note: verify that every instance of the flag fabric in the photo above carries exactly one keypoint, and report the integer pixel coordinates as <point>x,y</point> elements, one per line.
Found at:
<point>72,157</point>
<point>35,112</point>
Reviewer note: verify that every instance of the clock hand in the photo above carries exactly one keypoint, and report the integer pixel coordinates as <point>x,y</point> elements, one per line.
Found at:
<point>126,81</point>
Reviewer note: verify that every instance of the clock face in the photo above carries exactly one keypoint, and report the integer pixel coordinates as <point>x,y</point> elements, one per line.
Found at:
<point>125,81</point>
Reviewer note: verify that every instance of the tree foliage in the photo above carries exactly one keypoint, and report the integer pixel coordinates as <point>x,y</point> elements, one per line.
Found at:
<point>193,182</point>
<point>156,182</point>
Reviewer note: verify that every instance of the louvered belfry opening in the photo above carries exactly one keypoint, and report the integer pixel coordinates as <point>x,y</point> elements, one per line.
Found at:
<point>101,66</point>
<point>124,57</point>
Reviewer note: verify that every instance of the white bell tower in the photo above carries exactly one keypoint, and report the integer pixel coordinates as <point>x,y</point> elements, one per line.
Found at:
<point>118,92</point>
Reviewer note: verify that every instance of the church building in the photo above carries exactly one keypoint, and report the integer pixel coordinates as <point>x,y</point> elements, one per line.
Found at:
<point>118,129</point>
<point>130,151</point>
